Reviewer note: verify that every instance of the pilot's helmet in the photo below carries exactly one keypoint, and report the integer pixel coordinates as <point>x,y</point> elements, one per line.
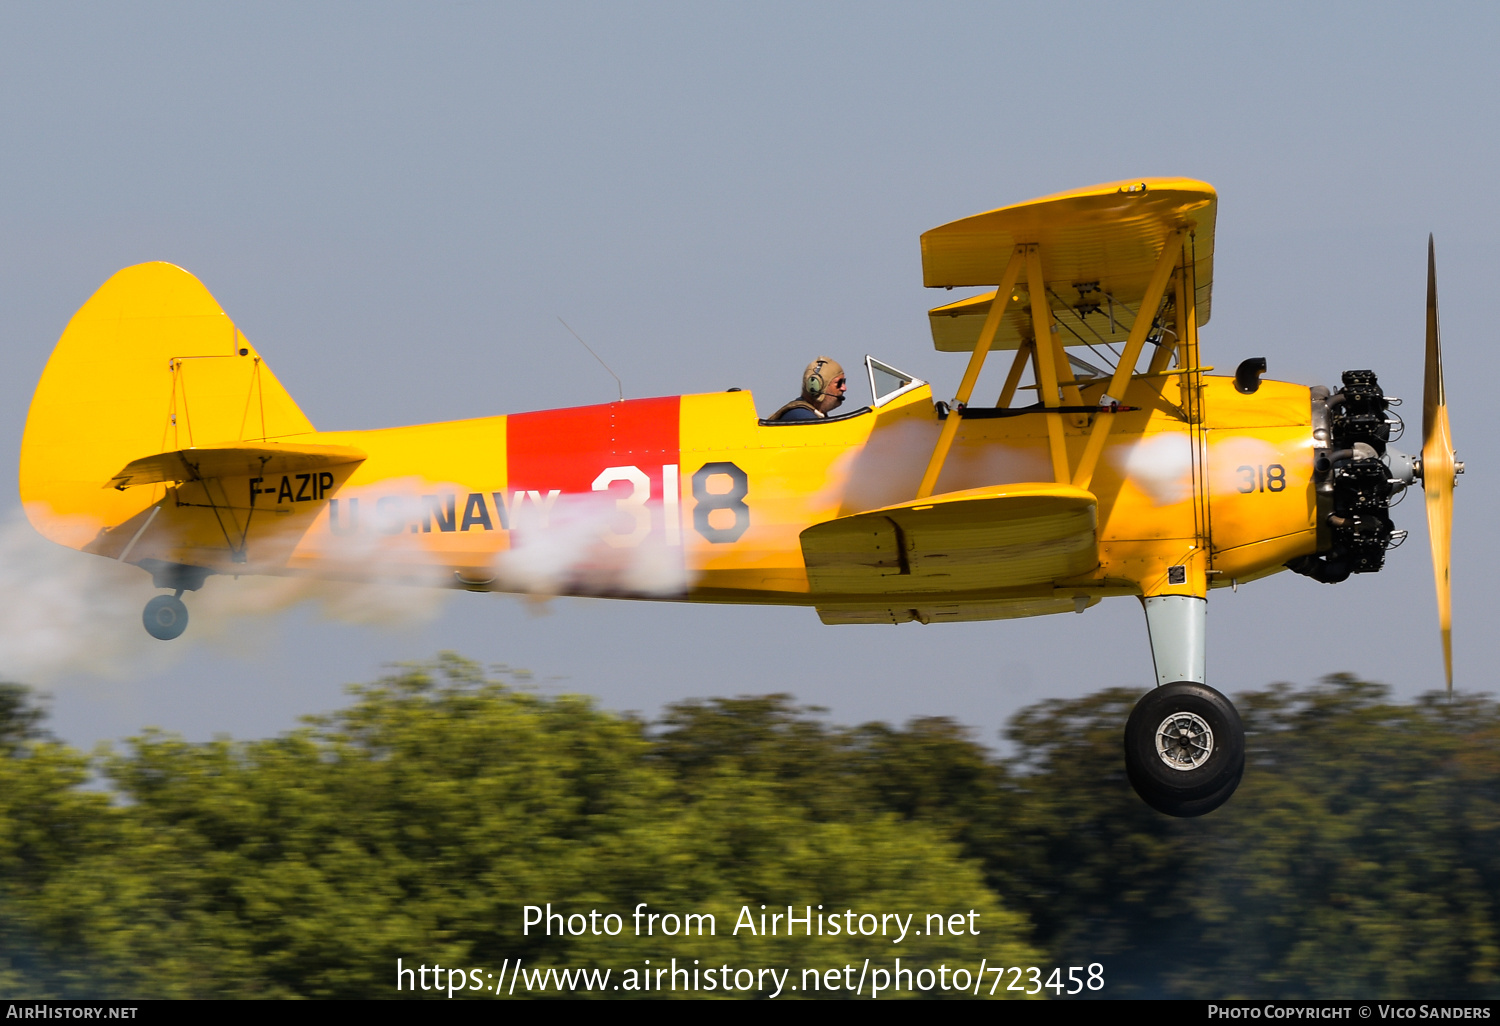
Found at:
<point>820,374</point>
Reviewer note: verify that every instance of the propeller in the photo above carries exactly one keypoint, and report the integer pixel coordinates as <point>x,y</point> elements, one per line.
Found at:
<point>1439,467</point>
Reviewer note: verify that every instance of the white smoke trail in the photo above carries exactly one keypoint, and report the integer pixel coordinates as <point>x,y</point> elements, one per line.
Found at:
<point>574,554</point>
<point>591,543</point>
<point>64,612</point>
<point>1161,466</point>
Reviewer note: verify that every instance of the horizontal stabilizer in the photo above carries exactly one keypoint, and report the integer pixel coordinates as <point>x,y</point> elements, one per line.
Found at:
<point>1003,536</point>
<point>210,462</point>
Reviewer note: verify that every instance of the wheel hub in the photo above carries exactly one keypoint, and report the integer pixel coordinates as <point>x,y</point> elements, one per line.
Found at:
<point>1184,741</point>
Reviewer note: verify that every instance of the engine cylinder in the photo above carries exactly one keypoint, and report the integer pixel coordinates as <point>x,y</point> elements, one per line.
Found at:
<point>1353,484</point>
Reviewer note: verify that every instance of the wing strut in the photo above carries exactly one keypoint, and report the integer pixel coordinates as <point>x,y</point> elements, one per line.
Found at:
<point>1013,379</point>
<point>1170,254</point>
<point>1051,365</point>
<point>1047,347</point>
<point>971,374</point>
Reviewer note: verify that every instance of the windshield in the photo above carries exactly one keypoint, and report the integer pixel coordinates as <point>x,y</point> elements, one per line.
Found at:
<point>886,382</point>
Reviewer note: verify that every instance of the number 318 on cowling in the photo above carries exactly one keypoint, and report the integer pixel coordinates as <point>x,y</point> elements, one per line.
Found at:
<point>1262,478</point>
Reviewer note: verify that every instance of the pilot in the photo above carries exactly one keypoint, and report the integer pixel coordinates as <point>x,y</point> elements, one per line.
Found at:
<point>823,388</point>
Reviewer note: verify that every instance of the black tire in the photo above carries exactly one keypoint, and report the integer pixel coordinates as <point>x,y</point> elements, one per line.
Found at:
<point>165,617</point>
<point>1200,806</point>
<point>1184,749</point>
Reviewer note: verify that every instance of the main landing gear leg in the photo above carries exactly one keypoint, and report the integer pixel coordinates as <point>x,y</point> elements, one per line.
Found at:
<point>1184,743</point>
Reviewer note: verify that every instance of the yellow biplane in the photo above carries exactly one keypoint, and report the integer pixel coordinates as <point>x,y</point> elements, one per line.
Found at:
<point>1112,463</point>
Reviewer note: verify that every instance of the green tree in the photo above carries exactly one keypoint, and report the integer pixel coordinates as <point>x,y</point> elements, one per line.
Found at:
<point>1095,870</point>
<point>56,845</point>
<point>1361,857</point>
<point>421,820</point>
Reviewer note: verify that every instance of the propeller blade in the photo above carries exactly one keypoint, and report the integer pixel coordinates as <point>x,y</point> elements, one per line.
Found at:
<point>1438,467</point>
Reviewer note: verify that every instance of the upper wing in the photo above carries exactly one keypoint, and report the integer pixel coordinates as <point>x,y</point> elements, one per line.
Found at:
<point>1098,245</point>
<point>1002,536</point>
<point>232,461</point>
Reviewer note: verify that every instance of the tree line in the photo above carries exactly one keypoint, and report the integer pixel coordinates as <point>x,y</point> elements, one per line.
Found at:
<point>1358,859</point>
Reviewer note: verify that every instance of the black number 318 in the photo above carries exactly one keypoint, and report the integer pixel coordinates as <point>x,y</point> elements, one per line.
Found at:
<point>1262,479</point>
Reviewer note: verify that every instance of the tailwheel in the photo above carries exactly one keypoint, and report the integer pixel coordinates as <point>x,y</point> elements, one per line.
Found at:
<point>1184,749</point>
<point>166,617</point>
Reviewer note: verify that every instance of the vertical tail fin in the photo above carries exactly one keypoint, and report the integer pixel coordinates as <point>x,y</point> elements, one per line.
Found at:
<point>150,364</point>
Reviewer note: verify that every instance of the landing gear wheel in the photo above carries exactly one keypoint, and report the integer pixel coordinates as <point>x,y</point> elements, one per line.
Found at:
<point>1184,749</point>
<point>1202,806</point>
<point>165,617</point>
